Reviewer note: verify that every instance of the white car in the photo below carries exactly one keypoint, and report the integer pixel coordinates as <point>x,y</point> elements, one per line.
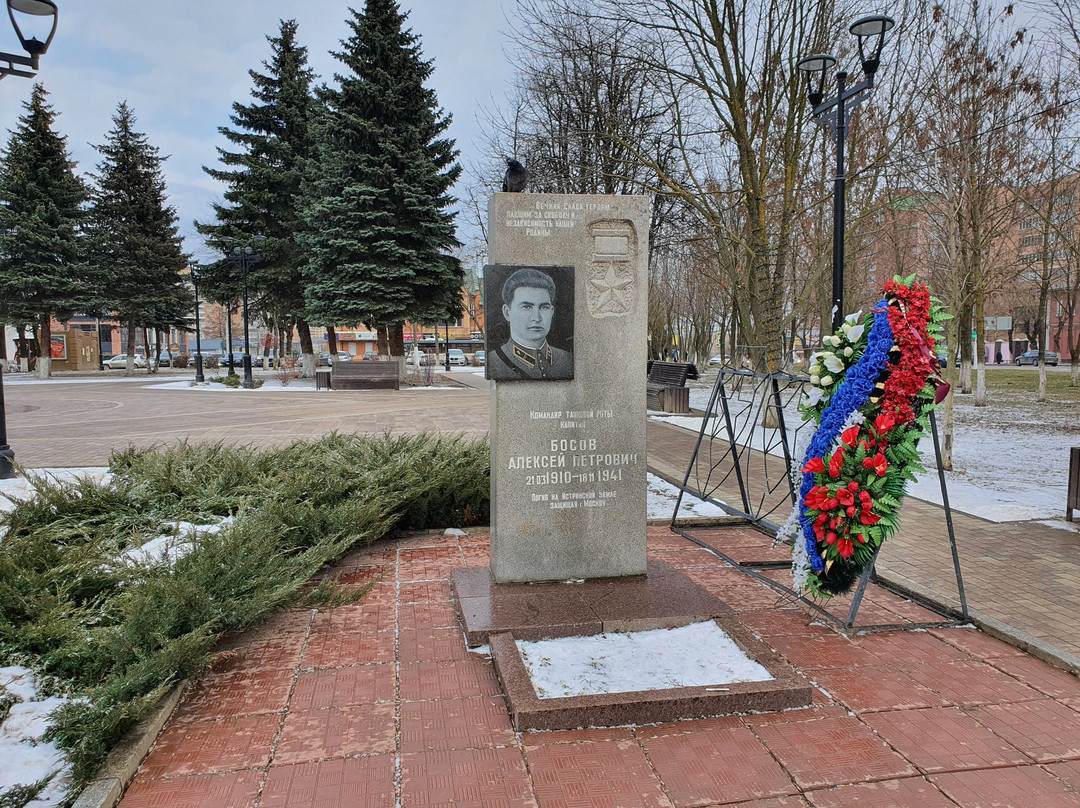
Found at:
<point>120,361</point>
<point>457,357</point>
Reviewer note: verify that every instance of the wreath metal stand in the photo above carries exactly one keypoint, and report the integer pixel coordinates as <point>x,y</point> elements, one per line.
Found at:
<point>772,381</point>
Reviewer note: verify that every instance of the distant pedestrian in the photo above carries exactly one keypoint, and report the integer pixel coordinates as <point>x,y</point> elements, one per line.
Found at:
<point>997,359</point>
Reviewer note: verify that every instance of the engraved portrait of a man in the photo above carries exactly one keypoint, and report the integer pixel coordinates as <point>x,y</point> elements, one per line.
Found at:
<point>532,307</point>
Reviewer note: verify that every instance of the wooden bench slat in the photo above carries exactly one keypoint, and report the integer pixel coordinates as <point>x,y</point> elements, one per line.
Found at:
<point>365,376</point>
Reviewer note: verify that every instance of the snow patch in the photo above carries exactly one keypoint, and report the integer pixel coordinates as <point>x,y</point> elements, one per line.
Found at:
<point>697,655</point>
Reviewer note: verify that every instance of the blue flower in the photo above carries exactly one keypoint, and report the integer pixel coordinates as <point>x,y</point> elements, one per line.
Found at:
<point>852,394</point>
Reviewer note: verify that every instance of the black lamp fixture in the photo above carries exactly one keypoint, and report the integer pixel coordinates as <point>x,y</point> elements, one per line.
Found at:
<point>28,9</point>
<point>196,276</point>
<point>244,257</point>
<point>35,48</point>
<point>836,114</point>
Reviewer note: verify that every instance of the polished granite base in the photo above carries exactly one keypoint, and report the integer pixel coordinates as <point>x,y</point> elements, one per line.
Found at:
<point>499,614</point>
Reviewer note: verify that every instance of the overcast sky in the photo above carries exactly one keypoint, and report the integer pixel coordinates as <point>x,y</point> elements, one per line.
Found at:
<point>180,66</point>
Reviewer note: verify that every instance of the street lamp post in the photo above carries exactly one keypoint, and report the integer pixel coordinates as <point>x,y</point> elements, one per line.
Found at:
<point>35,48</point>
<point>244,257</point>
<point>199,377</point>
<point>836,113</point>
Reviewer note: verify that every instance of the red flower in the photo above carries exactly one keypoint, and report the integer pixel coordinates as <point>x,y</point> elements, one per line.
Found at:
<point>884,422</point>
<point>845,497</point>
<point>816,497</point>
<point>813,465</point>
<point>853,486</point>
<point>850,511</point>
<point>848,436</point>
<point>880,464</point>
<point>868,463</point>
<point>845,548</point>
<point>868,517</point>
<point>862,538</point>
<point>831,503</point>
<point>835,462</point>
<point>830,538</point>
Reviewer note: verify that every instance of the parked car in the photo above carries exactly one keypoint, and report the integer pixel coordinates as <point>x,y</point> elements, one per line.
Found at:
<point>716,361</point>
<point>371,356</point>
<point>1032,358</point>
<point>479,358</point>
<point>120,361</point>
<point>458,357</point>
<point>165,359</point>
<point>325,358</point>
<point>238,359</point>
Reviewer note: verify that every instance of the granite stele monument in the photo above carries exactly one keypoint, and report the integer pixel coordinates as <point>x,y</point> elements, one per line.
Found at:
<point>565,297</point>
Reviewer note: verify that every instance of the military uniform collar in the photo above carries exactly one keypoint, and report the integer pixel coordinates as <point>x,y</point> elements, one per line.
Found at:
<point>529,355</point>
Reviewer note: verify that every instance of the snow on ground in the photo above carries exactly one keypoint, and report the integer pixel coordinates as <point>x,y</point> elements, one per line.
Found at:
<point>26,758</point>
<point>1010,459</point>
<point>661,496</point>
<point>698,655</point>
<point>168,548</point>
<point>21,488</point>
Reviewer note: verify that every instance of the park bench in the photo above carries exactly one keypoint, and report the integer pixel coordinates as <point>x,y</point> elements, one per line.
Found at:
<point>666,386</point>
<point>365,376</point>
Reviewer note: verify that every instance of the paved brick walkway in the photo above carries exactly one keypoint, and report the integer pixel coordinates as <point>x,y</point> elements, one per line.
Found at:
<point>1019,577</point>
<point>381,705</point>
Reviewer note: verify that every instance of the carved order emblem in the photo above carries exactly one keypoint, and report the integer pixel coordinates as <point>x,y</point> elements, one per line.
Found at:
<point>611,289</point>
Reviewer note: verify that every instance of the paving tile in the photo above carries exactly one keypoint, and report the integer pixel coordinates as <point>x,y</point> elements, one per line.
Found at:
<point>942,739</point>
<point>432,645</point>
<point>754,597</point>
<point>363,782</point>
<point>466,778</point>
<point>428,564</point>
<point>420,616</point>
<point>790,716</point>
<point>453,679</point>
<point>239,692</point>
<point>971,683</point>
<point>343,637</point>
<point>360,576</point>
<point>363,618</point>
<point>832,751</point>
<point>342,687</point>
<point>721,765</point>
<point>664,539</point>
<point>201,747</point>
<point>773,802</point>
<point>532,739</point>
<point>226,790</point>
<point>1046,730</point>
<point>601,774</point>
<point>768,623</point>
<point>910,792</point>
<point>876,687</point>
<point>1045,678</point>
<point>381,552</point>
<point>822,651</point>
<point>977,643</point>
<point>1069,771</point>
<point>908,646</point>
<point>366,729</point>
<point>667,728</point>
<point>475,723</point>
<point>1007,788</point>
<point>424,591</point>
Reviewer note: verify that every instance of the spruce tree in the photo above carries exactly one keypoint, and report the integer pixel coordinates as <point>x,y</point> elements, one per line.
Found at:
<point>263,177</point>
<point>379,219</point>
<point>135,235</point>
<point>42,272</point>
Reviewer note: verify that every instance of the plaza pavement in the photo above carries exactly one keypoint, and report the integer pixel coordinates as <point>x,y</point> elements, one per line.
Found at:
<point>380,704</point>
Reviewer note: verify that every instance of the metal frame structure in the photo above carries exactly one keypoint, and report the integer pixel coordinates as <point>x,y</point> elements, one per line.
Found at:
<point>766,403</point>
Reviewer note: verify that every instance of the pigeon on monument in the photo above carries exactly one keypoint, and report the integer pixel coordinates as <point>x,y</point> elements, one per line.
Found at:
<point>515,178</point>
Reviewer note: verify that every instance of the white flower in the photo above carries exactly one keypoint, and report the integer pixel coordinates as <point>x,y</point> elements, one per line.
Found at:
<point>848,351</point>
<point>854,318</point>
<point>826,381</point>
<point>815,379</point>
<point>855,333</point>
<point>834,364</point>
<point>814,395</point>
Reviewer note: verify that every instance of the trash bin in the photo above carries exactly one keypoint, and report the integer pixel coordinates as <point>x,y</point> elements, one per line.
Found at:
<point>1072,501</point>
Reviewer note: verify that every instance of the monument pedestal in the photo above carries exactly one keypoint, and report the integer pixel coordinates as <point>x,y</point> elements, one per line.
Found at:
<point>501,614</point>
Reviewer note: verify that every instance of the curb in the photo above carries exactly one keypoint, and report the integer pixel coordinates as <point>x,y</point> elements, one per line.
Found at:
<point>105,790</point>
